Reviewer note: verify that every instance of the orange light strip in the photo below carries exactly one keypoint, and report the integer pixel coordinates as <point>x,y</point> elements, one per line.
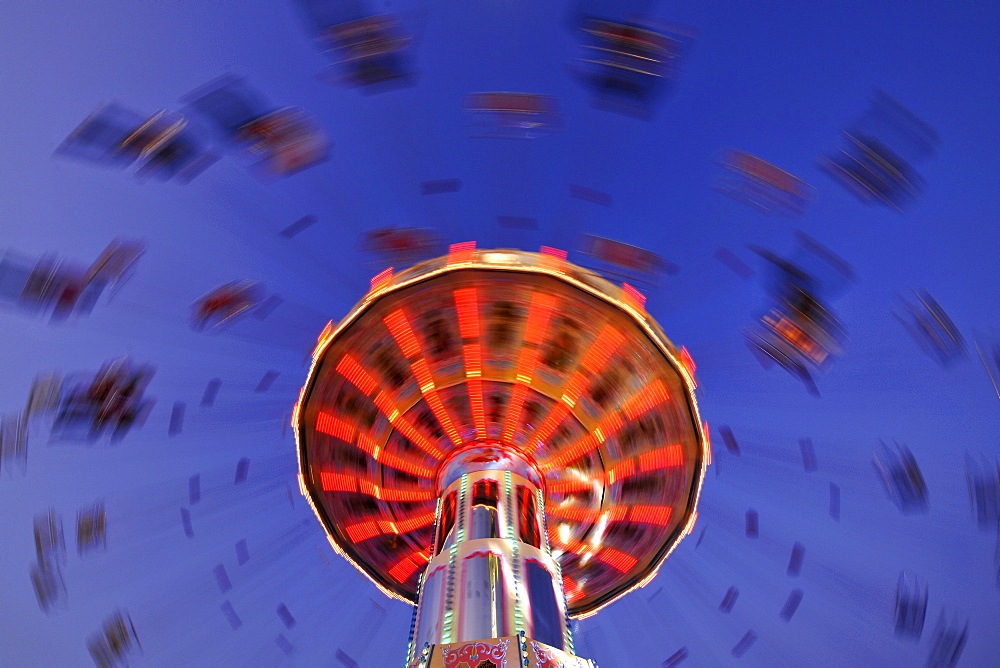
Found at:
<point>368,529</point>
<point>645,400</point>
<point>467,306</point>
<point>618,560</point>
<point>514,409</point>
<point>462,252</point>
<point>323,337</point>
<point>539,312</point>
<point>573,590</point>
<point>407,566</point>
<point>331,426</point>
<point>367,444</point>
<point>384,494</point>
<point>662,458</point>
<point>688,363</point>
<point>408,525</point>
<point>553,258</point>
<point>463,246</point>
<point>583,446</point>
<point>336,482</point>
<point>633,296</point>
<point>363,531</point>
<point>403,333</point>
<point>708,443</point>
<point>569,486</point>
<point>658,515</point>
<point>623,470</point>
<point>353,372</point>
<point>381,279</point>
<point>400,328</point>
<point>604,346</point>
<point>396,419</point>
<point>552,420</point>
<point>478,409</point>
<point>345,431</point>
<point>575,514</point>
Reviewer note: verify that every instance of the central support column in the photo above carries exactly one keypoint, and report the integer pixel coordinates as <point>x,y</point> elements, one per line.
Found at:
<point>491,588</point>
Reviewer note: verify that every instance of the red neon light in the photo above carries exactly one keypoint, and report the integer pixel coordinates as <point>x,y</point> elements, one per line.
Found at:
<point>407,566</point>
<point>571,545</point>
<point>368,529</point>
<point>421,441</point>
<point>356,375</point>
<point>608,427</point>
<point>423,374</point>
<point>402,332</point>
<point>460,247</point>
<point>323,337</point>
<point>362,531</point>
<point>634,295</point>
<point>336,482</point>
<point>366,443</point>
<point>555,416</point>
<point>574,452</point>
<point>658,515</point>
<point>385,494</point>
<point>467,306</point>
<point>608,341</point>
<point>666,457</point>
<point>623,470</point>
<point>688,362</point>
<point>708,442</point>
<point>611,424</point>
<point>434,401</point>
<point>569,486</point>
<point>331,426</point>
<point>534,331</point>
<point>514,411</point>
<point>538,317</point>
<point>618,560</point>
<point>403,425</point>
<point>606,344</point>
<point>646,399</point>
<point>381,278</point>
<point>408,525</point>
<point>575,514</point>
<point>473,360</point>
<point>573,590</point>
<point>554,258</point>
<point>478,411</point>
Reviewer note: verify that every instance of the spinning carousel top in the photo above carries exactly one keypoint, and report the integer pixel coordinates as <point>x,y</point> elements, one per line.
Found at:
<point>524,352</point>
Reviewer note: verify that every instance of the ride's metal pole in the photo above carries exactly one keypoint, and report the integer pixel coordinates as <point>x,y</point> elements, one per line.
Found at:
<point>491,590</point>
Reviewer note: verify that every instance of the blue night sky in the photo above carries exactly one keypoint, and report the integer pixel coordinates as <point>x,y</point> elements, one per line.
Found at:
<point>778,79</point>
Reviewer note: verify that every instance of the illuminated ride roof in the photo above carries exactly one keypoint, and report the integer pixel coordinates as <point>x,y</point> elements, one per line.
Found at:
<point>518,348</point>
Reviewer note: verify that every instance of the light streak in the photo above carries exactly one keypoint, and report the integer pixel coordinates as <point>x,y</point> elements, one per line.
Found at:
<point>645,400</point>
<point>381,279</point>
<point>606,344</point>
<point>400,328</point>
<point>407,566</point>
<point>467,306</point>
<point>535,326</point>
